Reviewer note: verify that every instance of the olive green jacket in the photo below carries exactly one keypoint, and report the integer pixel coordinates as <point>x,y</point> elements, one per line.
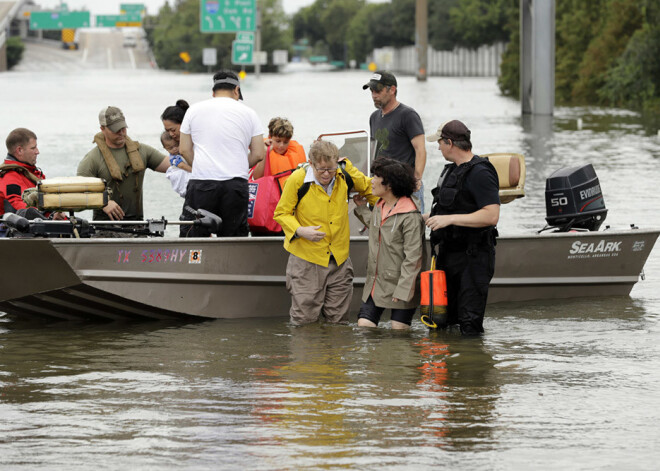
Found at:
<point>396,253</point>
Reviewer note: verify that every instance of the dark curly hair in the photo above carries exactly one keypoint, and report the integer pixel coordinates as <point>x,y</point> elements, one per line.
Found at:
<point>399,176</point>
<point>176,112</point>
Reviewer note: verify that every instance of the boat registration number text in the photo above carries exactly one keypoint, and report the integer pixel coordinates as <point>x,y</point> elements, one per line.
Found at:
<point>163,256</point>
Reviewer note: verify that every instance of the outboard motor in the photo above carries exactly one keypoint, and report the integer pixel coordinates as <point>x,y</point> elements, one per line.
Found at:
<point>574,200</point>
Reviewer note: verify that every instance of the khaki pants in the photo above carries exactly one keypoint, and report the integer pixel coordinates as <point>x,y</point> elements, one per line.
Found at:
<point>316,290</point>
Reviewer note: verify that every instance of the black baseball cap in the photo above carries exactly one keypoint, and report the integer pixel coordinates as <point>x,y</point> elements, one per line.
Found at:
<point>382,77</point>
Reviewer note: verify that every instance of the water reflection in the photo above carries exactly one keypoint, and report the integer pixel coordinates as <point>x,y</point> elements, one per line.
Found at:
<point>460,371</point>
<point>41,363</point>
<point>305,395</point>
<point>615,309</point>
<point>537,138</point>
<point>320,396</point>
<point>370,392</point>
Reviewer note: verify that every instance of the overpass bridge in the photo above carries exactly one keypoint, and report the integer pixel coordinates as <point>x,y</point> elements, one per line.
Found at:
<point>99,48</point>
<point>8,11</point>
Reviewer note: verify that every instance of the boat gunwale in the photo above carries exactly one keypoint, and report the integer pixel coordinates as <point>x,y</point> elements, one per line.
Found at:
<point>248,240</point>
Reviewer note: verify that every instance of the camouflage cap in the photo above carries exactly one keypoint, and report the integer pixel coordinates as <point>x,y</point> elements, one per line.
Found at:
<point>112,118</point>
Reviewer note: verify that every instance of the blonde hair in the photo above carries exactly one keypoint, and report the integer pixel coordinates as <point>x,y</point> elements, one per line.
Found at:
<point>323,151</point>
<point>280,127</point>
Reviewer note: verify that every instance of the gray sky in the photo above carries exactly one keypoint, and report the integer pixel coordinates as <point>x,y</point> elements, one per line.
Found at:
<point>111,7</point>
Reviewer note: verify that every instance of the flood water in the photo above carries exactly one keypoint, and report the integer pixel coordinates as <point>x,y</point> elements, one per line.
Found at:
<point>558,384</point>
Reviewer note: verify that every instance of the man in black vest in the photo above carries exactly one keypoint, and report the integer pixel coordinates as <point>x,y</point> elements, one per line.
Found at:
<point>465,211</point>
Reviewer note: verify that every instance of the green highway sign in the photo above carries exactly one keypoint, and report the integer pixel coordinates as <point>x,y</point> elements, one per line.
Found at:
<point>59,19</point>
<point>112,21</point>
<point>130,19</point>
<point>241,53</point>
<point>106,21</point>
<point>131,8</point>
<point>244,37</point>
<point>227,16</point>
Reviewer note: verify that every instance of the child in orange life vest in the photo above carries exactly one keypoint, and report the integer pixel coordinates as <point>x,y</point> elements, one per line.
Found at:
<point>283,153</point>
<point>179,171</point>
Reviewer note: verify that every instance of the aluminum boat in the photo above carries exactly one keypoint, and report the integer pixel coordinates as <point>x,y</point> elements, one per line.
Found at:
<point>167,277</point>
<point>245,277</point>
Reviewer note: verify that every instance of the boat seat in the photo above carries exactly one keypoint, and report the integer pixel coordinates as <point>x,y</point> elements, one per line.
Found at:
<point>511,173</point>
<point>68,194</point>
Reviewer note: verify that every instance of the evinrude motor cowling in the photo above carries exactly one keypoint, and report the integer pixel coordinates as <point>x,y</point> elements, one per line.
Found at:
<point>574,200</point>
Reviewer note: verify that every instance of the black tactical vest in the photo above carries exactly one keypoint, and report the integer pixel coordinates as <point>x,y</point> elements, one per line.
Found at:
<point>449,197</point>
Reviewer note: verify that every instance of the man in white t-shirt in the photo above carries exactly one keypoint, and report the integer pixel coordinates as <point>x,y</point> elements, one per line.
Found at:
<point>221,138</point>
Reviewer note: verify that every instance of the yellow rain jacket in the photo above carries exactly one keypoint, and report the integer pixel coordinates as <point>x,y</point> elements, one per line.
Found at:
<point>317,208</point>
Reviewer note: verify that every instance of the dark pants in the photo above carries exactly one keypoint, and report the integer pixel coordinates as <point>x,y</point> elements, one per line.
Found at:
<point>468,275</point>
<point>372,313</point>
<point>227,199</point>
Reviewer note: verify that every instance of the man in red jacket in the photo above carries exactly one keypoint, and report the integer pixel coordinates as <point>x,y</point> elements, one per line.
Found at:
<point>19,171</point>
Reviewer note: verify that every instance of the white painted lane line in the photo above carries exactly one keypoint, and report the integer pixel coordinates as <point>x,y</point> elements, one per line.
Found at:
<point>131,56</point>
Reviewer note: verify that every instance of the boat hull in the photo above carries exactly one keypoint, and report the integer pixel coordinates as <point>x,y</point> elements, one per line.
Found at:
<point>245,277</point>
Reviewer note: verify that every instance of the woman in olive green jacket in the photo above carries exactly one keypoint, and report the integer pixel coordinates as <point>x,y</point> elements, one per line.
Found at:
<point>396,236</point>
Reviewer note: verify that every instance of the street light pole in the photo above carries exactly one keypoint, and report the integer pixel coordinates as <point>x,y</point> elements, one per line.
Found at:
<point>421,38</point>
<point>257,44</point>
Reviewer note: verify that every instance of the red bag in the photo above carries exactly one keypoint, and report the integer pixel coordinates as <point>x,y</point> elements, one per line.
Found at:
<point>264,194</point>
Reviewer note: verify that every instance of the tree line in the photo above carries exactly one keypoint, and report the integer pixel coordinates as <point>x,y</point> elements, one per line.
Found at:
<point>607,51</point>
<point>341,30</point>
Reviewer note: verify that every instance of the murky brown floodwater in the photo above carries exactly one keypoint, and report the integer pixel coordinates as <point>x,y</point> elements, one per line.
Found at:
<point>551,385</point>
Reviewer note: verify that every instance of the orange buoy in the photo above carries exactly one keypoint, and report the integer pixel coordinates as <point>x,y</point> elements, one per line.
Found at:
<point>433,306</point>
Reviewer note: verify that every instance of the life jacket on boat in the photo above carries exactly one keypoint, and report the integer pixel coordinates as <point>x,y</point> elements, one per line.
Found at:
<point>451,197</point>
<point>132,150</point>
<point>16,177</point>
<point>295,155</point>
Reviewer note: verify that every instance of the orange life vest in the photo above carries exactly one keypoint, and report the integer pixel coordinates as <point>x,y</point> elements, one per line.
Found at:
<point>295,154</point>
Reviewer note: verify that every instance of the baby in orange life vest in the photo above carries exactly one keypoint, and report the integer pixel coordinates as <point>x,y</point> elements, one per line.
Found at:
<point>283,153</point>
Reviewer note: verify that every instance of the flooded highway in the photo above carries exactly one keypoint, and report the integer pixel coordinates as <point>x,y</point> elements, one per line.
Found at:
<point>568,384</point>
<point>121,48</point>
